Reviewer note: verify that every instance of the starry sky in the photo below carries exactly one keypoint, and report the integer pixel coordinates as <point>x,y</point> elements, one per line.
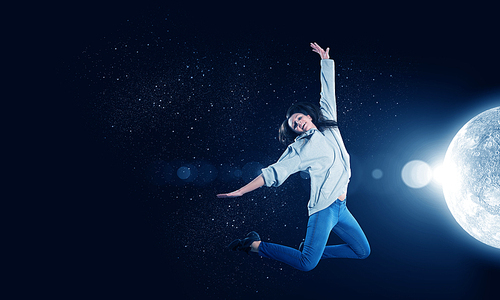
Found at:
<point>163,106</point>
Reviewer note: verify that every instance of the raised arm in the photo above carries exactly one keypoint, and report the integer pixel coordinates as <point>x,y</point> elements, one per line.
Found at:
<point>328,101</point>
<point>324,54</point>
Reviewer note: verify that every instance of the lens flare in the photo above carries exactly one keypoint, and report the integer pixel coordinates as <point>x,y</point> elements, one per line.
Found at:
<point>183,172</point>
<point>377,174</point>
<point>416,174</point>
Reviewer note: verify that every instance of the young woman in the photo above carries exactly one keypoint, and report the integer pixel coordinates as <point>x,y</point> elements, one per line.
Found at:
<point>316,148</point>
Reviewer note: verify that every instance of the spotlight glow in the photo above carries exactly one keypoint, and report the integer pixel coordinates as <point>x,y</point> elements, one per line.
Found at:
<point>438,174</point>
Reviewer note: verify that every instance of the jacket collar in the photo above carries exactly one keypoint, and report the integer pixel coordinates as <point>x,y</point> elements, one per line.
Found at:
<point>306,134</point>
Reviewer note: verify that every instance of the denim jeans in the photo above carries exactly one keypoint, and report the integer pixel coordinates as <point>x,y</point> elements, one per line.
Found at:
<point>336,218</point>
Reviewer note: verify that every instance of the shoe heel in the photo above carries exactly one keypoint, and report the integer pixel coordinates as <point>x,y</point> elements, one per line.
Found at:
<point>235,245</point>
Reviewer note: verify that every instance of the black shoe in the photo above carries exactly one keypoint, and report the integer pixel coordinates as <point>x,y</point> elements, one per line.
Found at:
<point>244,245</point>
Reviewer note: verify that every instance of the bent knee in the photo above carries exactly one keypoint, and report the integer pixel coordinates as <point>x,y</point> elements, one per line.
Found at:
<point>365,254</point>
<point>307,267</point>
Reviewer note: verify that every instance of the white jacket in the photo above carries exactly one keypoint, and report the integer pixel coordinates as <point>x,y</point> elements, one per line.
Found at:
<point>321,154</point>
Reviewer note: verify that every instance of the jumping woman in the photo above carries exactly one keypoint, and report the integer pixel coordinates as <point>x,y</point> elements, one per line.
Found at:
<point>315,146</point>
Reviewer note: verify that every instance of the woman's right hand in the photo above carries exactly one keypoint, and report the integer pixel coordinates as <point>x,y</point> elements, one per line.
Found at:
<point>324,54</point>
<point>231,195</point>
<point>252,185</point>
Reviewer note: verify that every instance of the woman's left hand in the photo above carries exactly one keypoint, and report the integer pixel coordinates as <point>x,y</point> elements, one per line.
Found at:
<point>324,54</point>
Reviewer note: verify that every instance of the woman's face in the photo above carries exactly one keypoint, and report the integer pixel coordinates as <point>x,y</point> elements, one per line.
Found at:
<point>300,123</point>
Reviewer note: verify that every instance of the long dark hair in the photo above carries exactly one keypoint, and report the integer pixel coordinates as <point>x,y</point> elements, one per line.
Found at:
<point>287,135</point>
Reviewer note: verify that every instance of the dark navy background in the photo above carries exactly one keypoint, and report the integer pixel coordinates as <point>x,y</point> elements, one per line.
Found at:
<point>141,91</point>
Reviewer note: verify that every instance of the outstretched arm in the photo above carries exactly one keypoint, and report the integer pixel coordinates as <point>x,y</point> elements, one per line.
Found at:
<point>253,185</point>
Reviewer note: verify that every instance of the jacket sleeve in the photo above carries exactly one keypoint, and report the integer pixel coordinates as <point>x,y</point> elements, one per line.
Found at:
<point>327,101</point>
<point>288,164</point>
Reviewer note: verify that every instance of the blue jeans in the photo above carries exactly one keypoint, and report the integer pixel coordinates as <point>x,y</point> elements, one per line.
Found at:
<point>336,218</point>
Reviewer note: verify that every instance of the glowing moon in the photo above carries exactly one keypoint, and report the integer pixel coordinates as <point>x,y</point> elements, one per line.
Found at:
<point>471,184</point>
